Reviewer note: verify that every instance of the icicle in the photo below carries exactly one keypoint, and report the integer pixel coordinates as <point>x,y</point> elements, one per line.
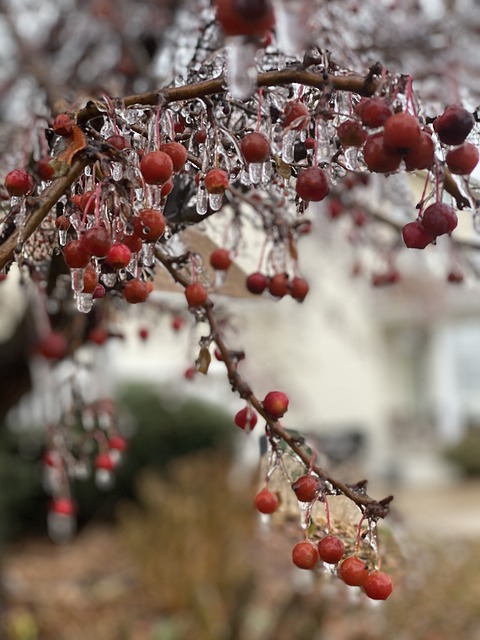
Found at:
<point>104,479</point>
<point>202,200</point>
<point>84,302</point>
<point>116,169</point>
<point>109,279</point>
<point>288,147</point>
<point>77,279</point>
<point>61,527</point>
<point>255,171</point>
<point>291,26</point>
<point>351,158</point>
<point>132,266</point>
<point>241,68</point>
<point>148,254</point>
<point>62,237</point>
<point>215,201</point>
<point>245,177</point>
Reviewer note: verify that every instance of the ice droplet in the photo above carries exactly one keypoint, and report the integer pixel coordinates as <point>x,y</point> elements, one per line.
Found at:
<point>116,171</point>
<point>84,302</point>
<point>77,279</point>
<point>215,201</point>
<point>61,527</point>
<point>148,254</point>
<point>109,279</point>
<point>241,68</point>
<point>351,158</point>
<point>62,237</point>
<point>202,200</point>
<point>290,27</point>
<point>104,479</point>
<point>255,171</point>
<point>288,147</point>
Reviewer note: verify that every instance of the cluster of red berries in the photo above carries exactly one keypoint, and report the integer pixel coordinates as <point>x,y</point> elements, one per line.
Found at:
<point>278,285</point>
<point>330,548</point>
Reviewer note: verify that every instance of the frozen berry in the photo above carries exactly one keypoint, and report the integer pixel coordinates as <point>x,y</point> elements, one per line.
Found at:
<point>305,555</point>
<point>331,549</point>
<point>439,218</point>
<point>378,585</point>
<point>156,167</point>
<point>216,181</point>
<point>401,133</point>
<point>415,235</point>
<point>177,153</point>
<point>454,125</point>
<point>462,160</point>
<point>306,488</point>
<point>257,282</point>
<point>266,501</point>
<point>220,259</point>
<point>353,571</point>
<point>276,404</point>
<point>196,294</point>
<point>246,418</point>
<point>96,241</point>
<point>312,184</point>
<point>135,291</point>
<point>255,147</point>
<point>18,182</point>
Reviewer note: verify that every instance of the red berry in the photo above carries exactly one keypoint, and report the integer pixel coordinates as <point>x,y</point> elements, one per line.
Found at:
<point>455,276</point>
<point>177,323</point>
<point>309,143</point>
<point>257,283</point>
<point>87,201</point>
<point>220,259</point>
<point>312,184</point>
<point>454,125</point>
<point>415,236</point>
<point>52,346</point>
<point>422,155</point>
<point>96,241</point>
<point>353,571</point>
<point>149,225</point>
<point>377,158</point>
<point>305,555</point>
<point>75,255</point>
<point>351,133</point>
<point>196,294</point>
<point>373,112</point>
<point>45,169</point>
<point>118,256</point>
<point>200,136</point>
<point>331,549</point>
<point>62,223</point>
<point>63,506</point>
<point>104,461</point>
<point>378,585</point>
<point>296,115</point>
<point>99,291</point>
<point>118,141</point>
<point>132,241</point>
<point>245,17</point>
<point>401,133</point>
<point>135,291</point>
<point>19,182</point>
<point>246,418</point>
<point>90,279</point>
<point>266,501</point>
<point>299,288</point>
<point>177,153</point>
<point>306,488</point>
<point>190,373</point>
<point>98,335</point>
<point>255,147</point>
<point>439,218</point>
<point>276,404</point>
<point>278,285</point>
<point>335,208</point>
<point>63,125</point>
<point>463,160</point>
<point>156,167</point>
<point>118,443</point>
<point>216,181</point>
